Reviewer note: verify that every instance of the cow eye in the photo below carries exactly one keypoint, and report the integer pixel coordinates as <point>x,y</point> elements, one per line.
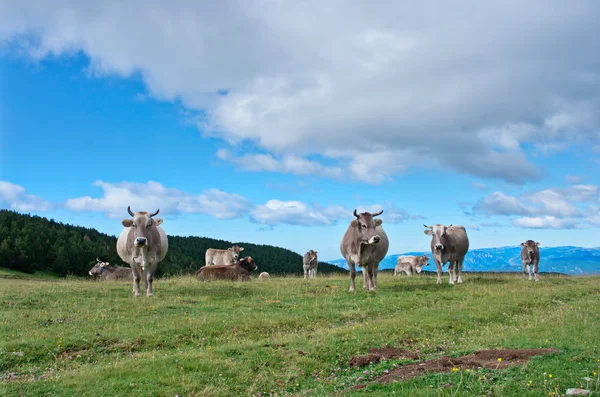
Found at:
<point>149,224</point>
<point>134,225</point>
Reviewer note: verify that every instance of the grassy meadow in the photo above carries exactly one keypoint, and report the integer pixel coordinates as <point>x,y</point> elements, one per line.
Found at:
<point>294,337</point>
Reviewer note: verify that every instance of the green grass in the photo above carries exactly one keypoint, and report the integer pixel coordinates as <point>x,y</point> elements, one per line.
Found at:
<point>83,338</point>
<point>10,273</point>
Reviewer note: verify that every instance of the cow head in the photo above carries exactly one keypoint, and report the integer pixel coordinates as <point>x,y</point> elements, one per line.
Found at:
<point>530,246</point>
<point>439,235</point>
<point>366,226</point>
<point>235,250</point>
<point>141,224</point>
<point>247,263</point>
<point>98,268</point>
<point>422,261</point>
<point>313,255</point>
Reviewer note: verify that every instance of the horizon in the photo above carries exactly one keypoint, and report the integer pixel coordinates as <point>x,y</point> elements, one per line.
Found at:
<point>270,125</point>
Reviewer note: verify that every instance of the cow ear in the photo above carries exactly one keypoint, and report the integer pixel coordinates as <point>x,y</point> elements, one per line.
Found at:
<point>522,244</point>
<point>229,249</point>
<point>378,222</point>
<point>127,222</point>
<point>241,249</point>
<point>428,232</point>
<point>158,221</point>
<point>354,223</point>
<point>537,244</point>
<point>316,252</point>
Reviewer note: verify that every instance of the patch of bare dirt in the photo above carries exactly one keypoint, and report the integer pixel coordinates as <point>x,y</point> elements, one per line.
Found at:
<point>493,359</point>
<point>377,355</point>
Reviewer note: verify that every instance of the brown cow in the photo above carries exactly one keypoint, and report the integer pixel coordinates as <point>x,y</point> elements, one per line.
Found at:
<point>107,272</point>
<point>530,257</point>
<point>239,271</point>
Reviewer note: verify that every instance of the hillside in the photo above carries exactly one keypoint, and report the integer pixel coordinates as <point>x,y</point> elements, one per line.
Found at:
<point>567,260</point>
<point>33,243</point>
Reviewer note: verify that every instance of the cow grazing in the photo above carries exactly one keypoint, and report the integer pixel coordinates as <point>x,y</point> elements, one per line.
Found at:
<point>364,244</point>
<point>309,263</point>
<point>239,271</point>
<point>222,257</point>
<point>263,276</point>
<point>142,244</point>
<point>107,272</point>
<point>411,264</point>
<point>448,244</point>
<point>530,256</point>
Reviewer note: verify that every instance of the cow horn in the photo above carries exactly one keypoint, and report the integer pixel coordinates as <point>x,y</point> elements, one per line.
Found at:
<point>428,227</point>
<point>156,213</point>
<point>97,260</point>
<point>450,225</point>
<point>378,213</point>
<point>129,210</point>
<point>355,214</point>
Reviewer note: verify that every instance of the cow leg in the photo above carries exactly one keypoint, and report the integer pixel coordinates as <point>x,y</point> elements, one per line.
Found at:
<point>460,263</point>
<point>366,279</point>
<point>451,272</point>
<point>374,281</point>
<point>438,268</point>
<point>524,270</point>
<point>352,276</point>
<point>305,272</point>
<point>148,281</point>
<point>535,271</point>
<point>136,279</point>
<point>529,269</point>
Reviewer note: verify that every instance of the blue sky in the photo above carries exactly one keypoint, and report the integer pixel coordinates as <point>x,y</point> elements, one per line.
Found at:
<point>271,124</point>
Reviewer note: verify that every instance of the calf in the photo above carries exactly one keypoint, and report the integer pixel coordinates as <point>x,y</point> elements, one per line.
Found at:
<point>411,264</point>
<point>309,264</point>
<point>239,271</point>
<point>107,272</point>
<point>222,257</point>
<point>530,256</point>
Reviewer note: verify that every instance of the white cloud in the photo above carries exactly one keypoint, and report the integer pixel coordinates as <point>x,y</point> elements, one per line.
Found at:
<point>16,198</point>
<point>547,222</point>
<point>573,179</point>
<point>478,185</point>
<point>394,84</point>
<point>549,208</point>
<point>153,195</point>
<point>391,214</point>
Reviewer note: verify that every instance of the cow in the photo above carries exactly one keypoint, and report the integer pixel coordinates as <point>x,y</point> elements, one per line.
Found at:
<point>364,244</point>
<point>222,257</point>
<point>448,244</point>
<point>239,271</point>
<point>107,272</point>
<point>410,264</point>
<point>530,256</point>
<point>309,263</point>
<point>263,276</point>
<point>142,244</point>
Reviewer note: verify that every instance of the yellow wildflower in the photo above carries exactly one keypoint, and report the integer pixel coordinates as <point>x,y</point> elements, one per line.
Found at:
<point>454,369</point>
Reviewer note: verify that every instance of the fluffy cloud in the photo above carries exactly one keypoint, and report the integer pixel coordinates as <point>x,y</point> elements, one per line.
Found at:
<point>153,195</point>
<point>548,208</point>
<point>372,88</point>
<point>16,198</point>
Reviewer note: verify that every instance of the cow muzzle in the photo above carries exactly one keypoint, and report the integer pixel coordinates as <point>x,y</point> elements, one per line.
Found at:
<point>140,242</point>
<point>374,240</point>
<point>530,252</point>
<point>439,247</point>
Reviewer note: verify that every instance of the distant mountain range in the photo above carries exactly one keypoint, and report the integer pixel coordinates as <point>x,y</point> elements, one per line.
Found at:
<point>567,260</point>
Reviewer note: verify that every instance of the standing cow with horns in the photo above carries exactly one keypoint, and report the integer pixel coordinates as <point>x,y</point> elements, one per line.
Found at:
<point>365,244</point>
<point>142,244</point>
<point>448,244</point>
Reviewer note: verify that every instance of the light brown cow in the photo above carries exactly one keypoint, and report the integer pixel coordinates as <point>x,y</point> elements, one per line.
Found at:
<point>222,257</point>
<point>411,264</point>
<point>309,264</point>
<point>113,273</point>
<point>142,244</point>
<point>239,271</point>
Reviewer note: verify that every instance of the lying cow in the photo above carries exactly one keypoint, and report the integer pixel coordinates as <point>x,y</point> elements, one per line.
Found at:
<point>364,244</point>
<point>107,272</point>
<point>263,276</point>
<point>309,264</point>
<point>448,244</point>
<point>239,271</point>
<point>411,264</point>
<point>222,257</point>
<point>530,256</point>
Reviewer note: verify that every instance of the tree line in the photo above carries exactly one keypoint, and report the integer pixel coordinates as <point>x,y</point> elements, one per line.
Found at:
<point>31,243</point>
